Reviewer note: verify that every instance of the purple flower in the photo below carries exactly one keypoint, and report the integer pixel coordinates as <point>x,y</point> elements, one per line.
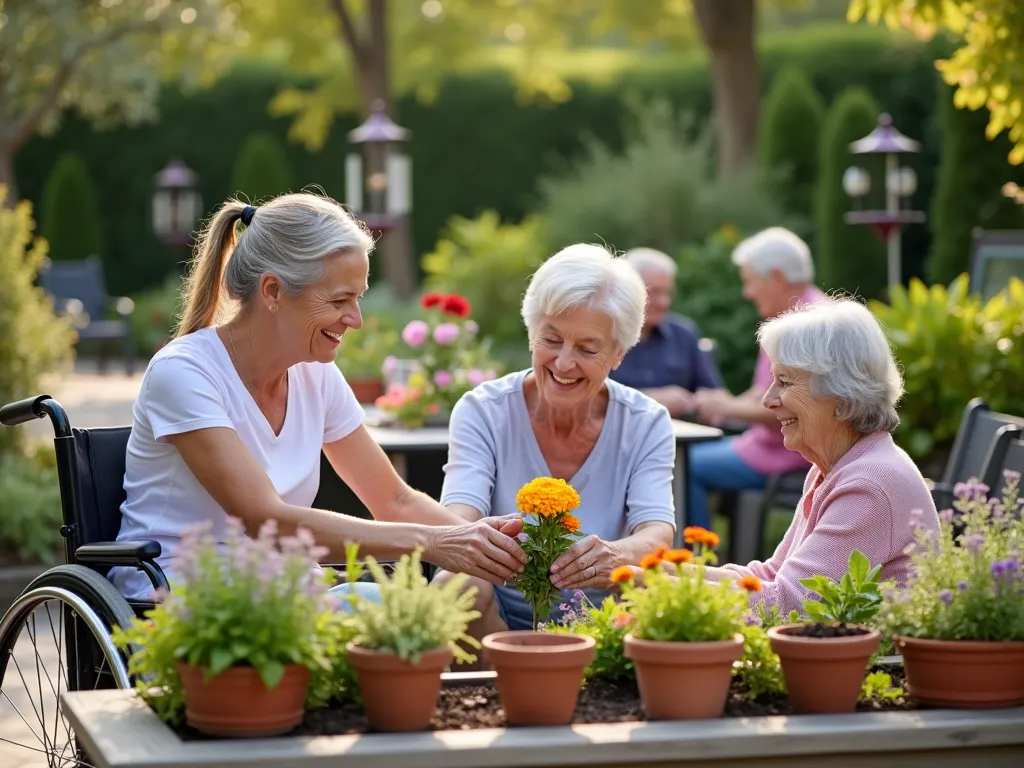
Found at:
<point>1006,570</point>
<point>388,365</point>
<point>446,333</point>
<point>751,620</point>
<point>946,596</point>
<point>963,586</point>
<point>565,607</point>
<point>946,515</point>
<point>1011,475</point>
<point>578,596</point>
<point>442,378</point>
<point>415,333</point>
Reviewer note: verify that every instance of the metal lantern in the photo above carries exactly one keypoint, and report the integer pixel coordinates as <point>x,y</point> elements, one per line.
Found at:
<point>900,185</point>
<point>378,179</point>
<point>176,204</point>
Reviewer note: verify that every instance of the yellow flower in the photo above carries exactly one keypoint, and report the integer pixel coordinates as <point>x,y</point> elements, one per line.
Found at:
<point>547,496</point>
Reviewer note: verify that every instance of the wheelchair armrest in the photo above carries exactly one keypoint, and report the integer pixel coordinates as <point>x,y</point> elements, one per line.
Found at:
<point>118,553</point>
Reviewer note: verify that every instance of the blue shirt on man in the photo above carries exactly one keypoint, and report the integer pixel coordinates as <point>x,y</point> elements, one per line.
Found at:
<point>670,355</point>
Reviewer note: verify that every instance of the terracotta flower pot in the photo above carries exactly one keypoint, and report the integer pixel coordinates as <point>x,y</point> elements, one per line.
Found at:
<point>539,674</point>
<point>963,674</point>
<point>824,675</point>
<point>683,681</point>
<point>213,707</point>
<point>366,390</point>
<point>399,695</point>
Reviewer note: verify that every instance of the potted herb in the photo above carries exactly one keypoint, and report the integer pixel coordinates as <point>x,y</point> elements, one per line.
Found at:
<point>539,673</point>
<point>686,634</point>
<point>362,355</point>
<point>824,660</point>
<point>249,622</point>
<point>402,643</point>
<point>959,623</point>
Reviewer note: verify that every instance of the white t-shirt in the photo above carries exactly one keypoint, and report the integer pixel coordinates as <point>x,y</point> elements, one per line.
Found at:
<point>192,384</point>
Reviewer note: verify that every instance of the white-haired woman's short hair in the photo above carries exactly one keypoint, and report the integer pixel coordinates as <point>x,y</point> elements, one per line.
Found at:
<point>843,347</point>
<point>584,275</point>
<point>776,248</point>
<point>653,260</point>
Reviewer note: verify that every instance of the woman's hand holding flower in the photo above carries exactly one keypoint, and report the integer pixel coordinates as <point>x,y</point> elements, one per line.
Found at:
<point>586,564</point>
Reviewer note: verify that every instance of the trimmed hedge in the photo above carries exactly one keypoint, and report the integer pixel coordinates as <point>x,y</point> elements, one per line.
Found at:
<point>474,148</point>
<point>69,218</point>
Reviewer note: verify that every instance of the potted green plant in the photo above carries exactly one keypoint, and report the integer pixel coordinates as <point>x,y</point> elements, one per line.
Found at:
<point>402,642</point>
<point>539,673</point>
<point>686,634</point>
<point>959,623</point>
<point>824,660</point>
<point>362,356</point>
<point>248,621</point>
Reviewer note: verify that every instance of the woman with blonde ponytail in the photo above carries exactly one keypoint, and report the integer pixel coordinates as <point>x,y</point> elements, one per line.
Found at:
<point>234,412</point>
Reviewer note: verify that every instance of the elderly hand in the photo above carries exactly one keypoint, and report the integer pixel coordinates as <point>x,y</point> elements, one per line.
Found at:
<point>713,405</point>
<point>587,563</point>
<point>484,549</point>
<point>678,400</point>
<point>510,525</point>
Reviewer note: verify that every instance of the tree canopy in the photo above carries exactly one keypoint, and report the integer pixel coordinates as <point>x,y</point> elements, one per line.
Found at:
<point>986,69</point>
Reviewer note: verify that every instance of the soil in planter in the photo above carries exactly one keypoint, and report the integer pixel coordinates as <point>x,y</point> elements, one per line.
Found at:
<point>478,706</point>
<point>828,630</point>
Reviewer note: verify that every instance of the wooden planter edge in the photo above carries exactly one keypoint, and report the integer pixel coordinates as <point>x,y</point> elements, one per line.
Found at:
<point>120,731</point>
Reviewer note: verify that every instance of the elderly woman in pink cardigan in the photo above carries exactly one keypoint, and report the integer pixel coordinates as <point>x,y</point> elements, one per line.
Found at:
<point>834,390</point>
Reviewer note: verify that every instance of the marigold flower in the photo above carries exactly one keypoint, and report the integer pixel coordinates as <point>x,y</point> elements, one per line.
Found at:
<point>710,539</point>
<point>678,556</point>
<point>622,574</point>
<point>660,552</point>
<point>650,561</point>
<point>547,496</point>
<point>751,583</point>
<point>571,523</point>
<point>693,534</point>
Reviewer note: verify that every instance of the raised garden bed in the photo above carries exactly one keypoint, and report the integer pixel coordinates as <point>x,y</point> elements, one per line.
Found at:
<point>119,730</point>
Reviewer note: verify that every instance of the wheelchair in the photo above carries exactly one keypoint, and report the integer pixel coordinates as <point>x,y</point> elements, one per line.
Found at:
<point>72,607</point>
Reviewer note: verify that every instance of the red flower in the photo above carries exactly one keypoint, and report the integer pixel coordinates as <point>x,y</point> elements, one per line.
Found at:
<point>430,300</point>
<point>457,305</point>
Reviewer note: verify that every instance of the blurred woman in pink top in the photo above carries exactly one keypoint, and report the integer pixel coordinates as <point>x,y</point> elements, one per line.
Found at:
<point>834,391</point>
<point>778,273</point>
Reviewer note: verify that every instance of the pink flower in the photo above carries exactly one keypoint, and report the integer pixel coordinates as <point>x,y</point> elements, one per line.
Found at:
<point>446,333</point>
<point>475,377</point>
<point>389,365</point>
<point>415,333</point>
<point>442,378</point>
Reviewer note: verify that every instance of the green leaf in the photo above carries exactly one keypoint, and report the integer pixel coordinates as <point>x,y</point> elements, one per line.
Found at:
<point>271,673</point>
<point>221,659</point>
<point>859,567</point>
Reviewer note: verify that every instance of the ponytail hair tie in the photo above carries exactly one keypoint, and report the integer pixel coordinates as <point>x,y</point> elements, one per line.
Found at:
<point>247,213</point>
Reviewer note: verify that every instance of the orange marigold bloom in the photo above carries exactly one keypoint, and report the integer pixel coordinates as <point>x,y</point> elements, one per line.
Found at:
<point>710,539</point>
<point>547,496</point>
<point>678,556</point>
<point>650,561</point>
<point>660,552</point>
<point>694,534</point>
<point>571,523</point>
<point>622,574</point>
<point>751,583</point>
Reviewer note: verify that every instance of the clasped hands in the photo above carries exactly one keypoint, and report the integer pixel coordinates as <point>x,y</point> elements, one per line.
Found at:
<point>489,549</point>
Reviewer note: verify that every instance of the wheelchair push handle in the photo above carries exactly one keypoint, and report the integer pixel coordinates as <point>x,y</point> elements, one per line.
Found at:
<point>21,411</point>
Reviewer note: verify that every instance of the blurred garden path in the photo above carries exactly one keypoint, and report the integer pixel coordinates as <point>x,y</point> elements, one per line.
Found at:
<point>93,399</point>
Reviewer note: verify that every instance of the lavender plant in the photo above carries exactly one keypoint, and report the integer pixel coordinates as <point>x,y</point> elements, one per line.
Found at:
<point>967,580</point>
<point>260,602</point>
<point>608,624</point>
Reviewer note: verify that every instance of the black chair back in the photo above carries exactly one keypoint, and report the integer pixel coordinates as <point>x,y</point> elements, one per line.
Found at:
<point>974,441</point>
<point>1006,454</point>
<point>77,281</point>
<point>100,460</point>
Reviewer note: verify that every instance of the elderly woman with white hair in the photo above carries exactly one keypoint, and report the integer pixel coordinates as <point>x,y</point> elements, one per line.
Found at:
<point>777,272</point>
<point>834,391</point>
<point>565,418</point>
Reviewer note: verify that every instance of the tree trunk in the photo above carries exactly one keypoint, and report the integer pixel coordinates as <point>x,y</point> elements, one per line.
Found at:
<point>729,29</point>
<point>371,54</point>
<point>9,197</point>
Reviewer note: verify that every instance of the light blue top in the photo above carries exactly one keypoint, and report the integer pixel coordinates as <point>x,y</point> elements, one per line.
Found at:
<point>625,481</point>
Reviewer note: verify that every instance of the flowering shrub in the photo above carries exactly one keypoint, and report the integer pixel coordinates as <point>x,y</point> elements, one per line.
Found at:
<point>676,602</point>
<point>451,359</point>
<point>550,502</point>
<point>413,615</point>
<point>259,602</point>
<point>967,580</point>
<point>608,625</point>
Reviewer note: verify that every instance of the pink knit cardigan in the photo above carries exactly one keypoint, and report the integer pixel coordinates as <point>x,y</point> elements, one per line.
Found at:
<point>872,500</point>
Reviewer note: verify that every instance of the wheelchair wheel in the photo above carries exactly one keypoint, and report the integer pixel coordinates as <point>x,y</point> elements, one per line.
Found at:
<point>56,637</point>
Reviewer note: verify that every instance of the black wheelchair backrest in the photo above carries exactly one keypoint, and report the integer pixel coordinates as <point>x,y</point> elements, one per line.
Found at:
<point>100,457</point>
